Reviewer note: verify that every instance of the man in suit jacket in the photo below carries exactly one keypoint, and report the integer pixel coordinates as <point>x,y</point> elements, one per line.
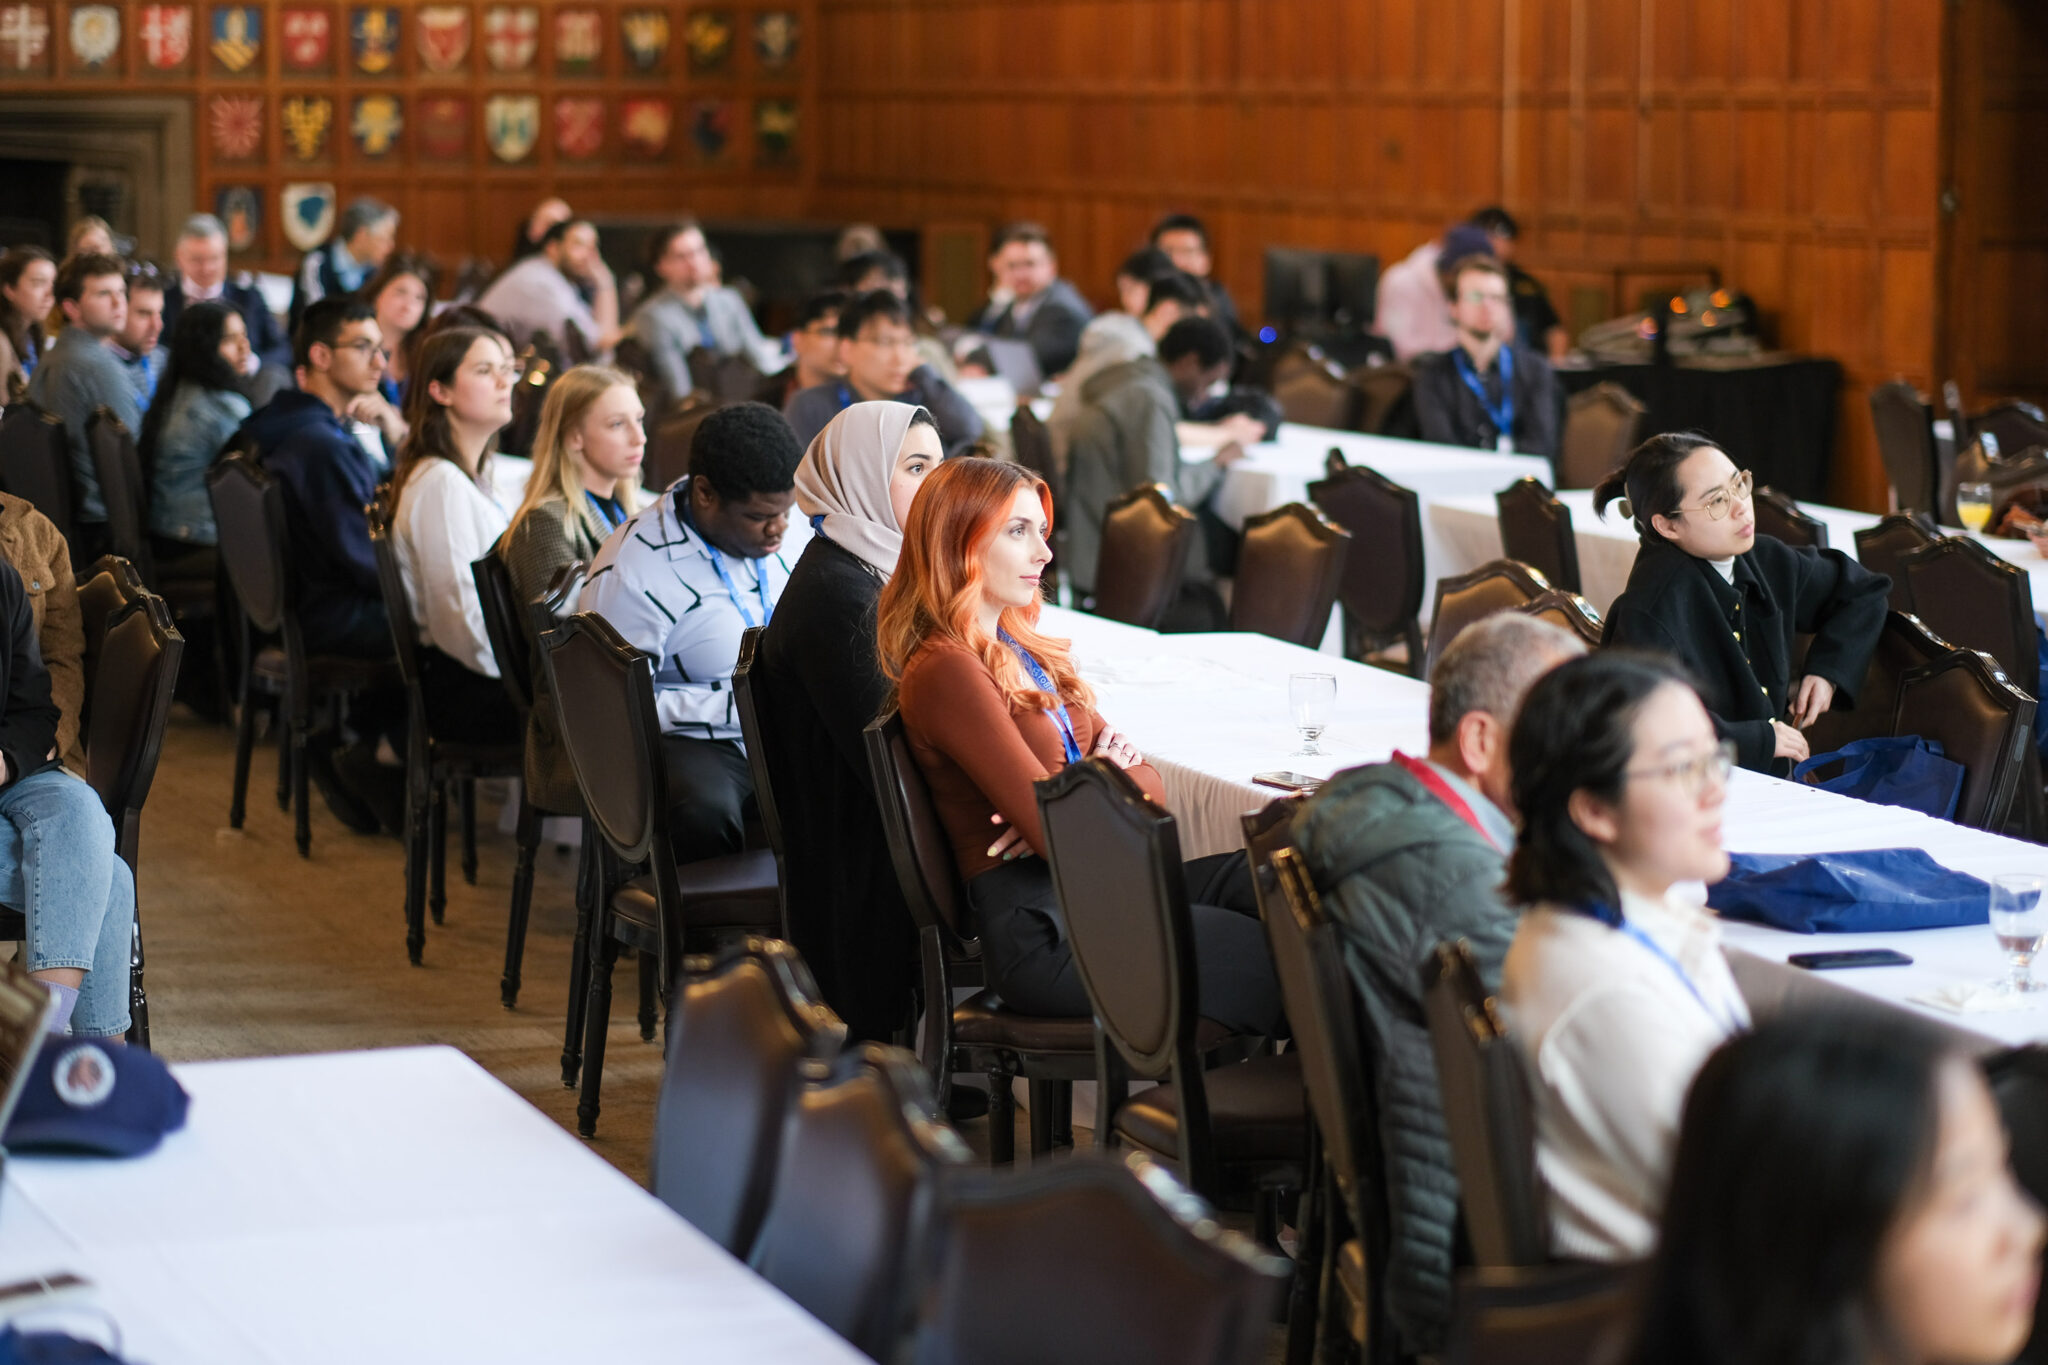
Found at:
<point>201,255</point>
<point>1041,308</point>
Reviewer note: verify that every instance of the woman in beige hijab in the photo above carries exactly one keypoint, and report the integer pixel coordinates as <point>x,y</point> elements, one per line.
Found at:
<point>818,686</point>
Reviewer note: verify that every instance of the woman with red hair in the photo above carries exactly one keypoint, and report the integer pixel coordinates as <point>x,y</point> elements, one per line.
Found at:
<point>991,706</point>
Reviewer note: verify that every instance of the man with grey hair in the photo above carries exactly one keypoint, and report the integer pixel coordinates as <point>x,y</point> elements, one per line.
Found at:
<point>201,257</point>
<point>1407,854</point>
<point>363,239</point>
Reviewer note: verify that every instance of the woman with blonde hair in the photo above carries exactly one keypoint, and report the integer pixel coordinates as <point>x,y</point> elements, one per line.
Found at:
<point>585,483</point>
<point>991,706</point>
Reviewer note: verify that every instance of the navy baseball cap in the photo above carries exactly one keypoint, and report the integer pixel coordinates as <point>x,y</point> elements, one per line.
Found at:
<point>1462,241</point>
<point>97,1096</point>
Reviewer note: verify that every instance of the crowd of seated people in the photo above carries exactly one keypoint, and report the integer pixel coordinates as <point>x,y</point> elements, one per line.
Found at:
<point>1795,1190</point>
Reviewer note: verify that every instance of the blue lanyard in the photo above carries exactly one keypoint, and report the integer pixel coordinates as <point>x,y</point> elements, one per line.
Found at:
<point>845,396</point>
<point>760,587</point>
<point>1729,1026</point>
<point>1503,415</point>
<point>1059,708</point>
<point>605,507</point>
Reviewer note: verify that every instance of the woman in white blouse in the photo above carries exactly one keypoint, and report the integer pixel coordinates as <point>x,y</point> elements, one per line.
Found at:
<point>447,517</point>
<point>1615,988</point>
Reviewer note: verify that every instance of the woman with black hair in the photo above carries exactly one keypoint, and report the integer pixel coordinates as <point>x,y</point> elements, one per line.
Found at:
<point>1731,604</point>
<point>1841,1196</point>
<point>28,290</point>
<point>1614,986</point>
<point>199,404</point>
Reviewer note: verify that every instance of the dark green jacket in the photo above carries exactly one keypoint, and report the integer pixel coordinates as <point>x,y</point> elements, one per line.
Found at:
<point>1400,871</point>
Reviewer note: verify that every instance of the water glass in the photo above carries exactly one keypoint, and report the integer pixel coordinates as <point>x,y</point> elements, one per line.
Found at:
<point>2019,921</point>
<point>1311,697</point>
<point>1973,505</point>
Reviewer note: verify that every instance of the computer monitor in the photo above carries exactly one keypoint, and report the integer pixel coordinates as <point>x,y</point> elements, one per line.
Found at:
<point>1297,288</point>
<point>1353,290</point>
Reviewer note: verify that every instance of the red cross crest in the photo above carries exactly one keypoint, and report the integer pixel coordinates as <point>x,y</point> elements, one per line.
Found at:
<point>166,35</point>
<point>511,36</point>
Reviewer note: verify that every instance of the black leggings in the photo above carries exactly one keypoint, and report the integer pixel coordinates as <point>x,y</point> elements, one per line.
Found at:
<point>463,706</point>
<point>1031,964</point>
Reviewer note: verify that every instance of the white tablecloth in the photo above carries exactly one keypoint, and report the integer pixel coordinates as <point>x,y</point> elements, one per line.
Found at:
<point>386,1206</point>
<point>1467,528</point>
<point>1211,710</point>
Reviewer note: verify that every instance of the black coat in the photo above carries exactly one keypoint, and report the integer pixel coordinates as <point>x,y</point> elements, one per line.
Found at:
<point>1449,412</point>
<point>819,686</point>
<point>1740,640</point>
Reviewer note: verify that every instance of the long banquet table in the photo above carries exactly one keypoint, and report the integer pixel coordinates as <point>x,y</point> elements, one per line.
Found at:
<point>1209,711</point>
<point>1467,527</point>
<point>386,1206</point>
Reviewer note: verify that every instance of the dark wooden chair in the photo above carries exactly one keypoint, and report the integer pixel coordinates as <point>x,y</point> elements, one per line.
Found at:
<point>1883,549</point>
<point>1600,427</point>
<point>540,365</point>
<point>1569,610</point>
<point>510,646</point>
<point>1982,721</point>
<point>1972,598</point>
<point>862,1155</point>
<point>1116,867</point>
<point>2014,424</point>
<point>980,1033</point>
<point>35,463</point>
<point>133,677</point>
<point>248,507</point>
<point>1536,530</point>
<point>667,457</point>
<point>1904,421</point>
<point>743,1027</point>
<point>1312,391</point>
<point>724,378</point>
<point>1514,1303</point>
<point>1904,644</point>
<point>1500,585</point>
<point>1290,565</point>
<point>1383,578</point>
<point>1329,1032</point>
<point>1146,541</point>
<point>1093,1237</point>
<point>1386,401</point>
<point>433,765</point>
<point>747,702</point>
<point>110,584</point>
<point>1779,516</point>
<point>604,696</point>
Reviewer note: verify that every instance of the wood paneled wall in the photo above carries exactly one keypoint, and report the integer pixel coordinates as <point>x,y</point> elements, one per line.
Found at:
<point>1794,143</point>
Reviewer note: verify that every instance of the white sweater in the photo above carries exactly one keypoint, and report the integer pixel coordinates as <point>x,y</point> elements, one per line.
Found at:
<point>1613,1034</point>
<point>445,522</point>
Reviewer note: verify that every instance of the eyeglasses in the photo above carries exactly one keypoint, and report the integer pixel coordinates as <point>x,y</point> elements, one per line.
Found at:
<point>507,372</point>
<point>1694,775</point>
<point>1719,503</point>
<point>363,347</point>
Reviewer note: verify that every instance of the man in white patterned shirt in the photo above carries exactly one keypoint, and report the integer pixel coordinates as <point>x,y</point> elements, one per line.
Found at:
<point>682,580</point>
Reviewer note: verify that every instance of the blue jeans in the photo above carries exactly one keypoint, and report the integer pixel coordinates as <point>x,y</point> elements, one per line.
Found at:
<point>58,866</point>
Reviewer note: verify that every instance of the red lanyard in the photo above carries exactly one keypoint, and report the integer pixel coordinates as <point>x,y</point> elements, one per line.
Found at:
<point>1432,779</point>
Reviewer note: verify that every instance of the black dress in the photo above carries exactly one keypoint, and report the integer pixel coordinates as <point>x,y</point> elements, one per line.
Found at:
<point>1740,640</point>
<point>819,686</point>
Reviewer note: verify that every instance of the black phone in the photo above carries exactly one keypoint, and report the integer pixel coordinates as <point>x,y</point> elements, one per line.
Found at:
<point>1288,782</point>
<point>1854,957</point>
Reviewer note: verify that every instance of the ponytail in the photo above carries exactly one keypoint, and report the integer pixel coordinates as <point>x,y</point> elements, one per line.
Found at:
<point>1647,481</point>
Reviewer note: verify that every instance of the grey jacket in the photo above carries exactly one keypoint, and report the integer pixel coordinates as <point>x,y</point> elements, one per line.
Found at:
<point>670,331</point>
<point>1399,871</point>
<point>1123,437</point>
<point>77,374</point>
<point>538,546</point>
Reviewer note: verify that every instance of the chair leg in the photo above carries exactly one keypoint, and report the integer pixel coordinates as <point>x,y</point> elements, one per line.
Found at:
<point>468,790</point>
<point>1413,633</point>
<point>522,901</point>
<point>437,850</point>
<point>597,1015</point>
<point>417,825</point>
<point>650,983</point>
<point>590,894</point>
<point>1042,1118</point>
<point>281,718</point>
<point>1002,1117</point>
<point>138,994</point>
<point>1302,1303</point>
<point>245,747</point>
<point>302,807</point>
<point>1063,1114</point>
<point>936,1045</point>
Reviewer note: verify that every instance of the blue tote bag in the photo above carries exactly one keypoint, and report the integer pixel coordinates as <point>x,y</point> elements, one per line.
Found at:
<point>1891,771</point>
<point>1867,892</point>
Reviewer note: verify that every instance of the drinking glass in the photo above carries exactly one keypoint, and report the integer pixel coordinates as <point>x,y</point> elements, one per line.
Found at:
<point>1311,696</point>
<point>1973,505</point>
<point>2020,921</point>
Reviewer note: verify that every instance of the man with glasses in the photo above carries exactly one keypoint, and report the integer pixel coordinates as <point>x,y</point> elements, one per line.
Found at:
<point>304,439</point>
<point>878,350</point>
<point>1488,391</point>
<point>138,344</point>
<point>814,346</point>
<point>1408,854</point>
<point>1732,604</point>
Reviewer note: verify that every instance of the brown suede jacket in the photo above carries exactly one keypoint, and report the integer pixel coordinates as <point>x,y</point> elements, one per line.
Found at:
<point>35,547</point>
